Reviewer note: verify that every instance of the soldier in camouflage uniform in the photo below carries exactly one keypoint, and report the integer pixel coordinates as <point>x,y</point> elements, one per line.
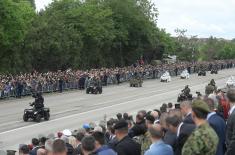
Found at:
<point>212,83</point>
<point>145,139</point>
<point>209,89</point>
<point>203,141</point>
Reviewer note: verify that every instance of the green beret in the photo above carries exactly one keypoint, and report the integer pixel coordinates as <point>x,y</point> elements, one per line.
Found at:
<point>200,105</point>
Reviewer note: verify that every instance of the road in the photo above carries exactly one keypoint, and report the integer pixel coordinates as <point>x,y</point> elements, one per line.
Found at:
<point>72,109</point>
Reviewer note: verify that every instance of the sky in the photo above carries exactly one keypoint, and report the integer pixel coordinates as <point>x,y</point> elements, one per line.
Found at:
<point>203,18</point>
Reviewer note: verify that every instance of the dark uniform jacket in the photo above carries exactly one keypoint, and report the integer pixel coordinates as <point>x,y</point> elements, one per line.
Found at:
<point>184,132</point>
<point>188,119</point>
<point>127,146</point>
<point>230,134</point>
<point>218,124</point>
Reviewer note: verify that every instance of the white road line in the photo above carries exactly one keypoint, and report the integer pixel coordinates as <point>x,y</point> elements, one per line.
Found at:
<point>122,103</point>
<point>74,115</point>
<point>94,110</point>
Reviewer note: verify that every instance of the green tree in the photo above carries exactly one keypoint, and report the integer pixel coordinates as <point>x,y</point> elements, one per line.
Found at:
<point>15,19</point>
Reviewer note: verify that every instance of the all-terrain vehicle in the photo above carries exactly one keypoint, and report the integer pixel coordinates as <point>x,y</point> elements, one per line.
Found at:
<point>36,114</point>
<point>214,71</point>
<point>136,82</point>
<point>202,73</point>
<point>94,87</point>
<point>165,77</point>
<point>182,97</point>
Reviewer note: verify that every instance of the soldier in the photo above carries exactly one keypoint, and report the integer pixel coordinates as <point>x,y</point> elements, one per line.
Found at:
<point>186,91</point>
<point>204,139</point>
<point>212,84</point>
<point>145,139</point>
<point>209,90</point>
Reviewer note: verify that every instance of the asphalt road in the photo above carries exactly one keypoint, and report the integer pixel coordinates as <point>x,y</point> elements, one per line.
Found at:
<point>72,109</point>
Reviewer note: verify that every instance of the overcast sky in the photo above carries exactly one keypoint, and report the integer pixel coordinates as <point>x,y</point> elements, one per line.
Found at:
<point>200,17</point>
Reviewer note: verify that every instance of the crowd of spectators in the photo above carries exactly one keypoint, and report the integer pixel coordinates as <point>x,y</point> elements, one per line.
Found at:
<point>203,126</point>
<point>59,81</point>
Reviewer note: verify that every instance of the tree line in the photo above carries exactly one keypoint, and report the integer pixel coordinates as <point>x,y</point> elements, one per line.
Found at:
<point>92,34</point>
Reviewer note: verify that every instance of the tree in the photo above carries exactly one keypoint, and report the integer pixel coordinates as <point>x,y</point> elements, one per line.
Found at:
<point>15,19</point>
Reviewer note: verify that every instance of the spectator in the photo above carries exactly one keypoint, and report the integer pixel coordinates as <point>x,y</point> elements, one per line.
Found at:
<point>186,110</point>
<point>80,135</point>
<point>110,135</point>
<point>23,149</point>
<point>35,143</point>
<point>156,114</point>
<point>145,139</point>
<point>42,141</point>
<point>100,147</point>
<point>170,106</point>
<point>124,141</point>
<point>204,139</point>
<point>163,108</point>
<point>87,128</point>
<point>59,147</point>
<point>140,127</point>
<point>158,146</point>
<point>119,116</point>
<point>218,124</point>
<point>41,152</point>
<point>88,145</point>
<point>230,130</point>
<point>126,116</point>
<point>182,131</point>
<point>169,137</point>
<point>49,146</point>
<point>223,107</point>
<point>72,141</point>
<point>70,149</point>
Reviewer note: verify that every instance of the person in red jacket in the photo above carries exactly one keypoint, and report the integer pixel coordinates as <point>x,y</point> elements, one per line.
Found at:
<point>223,107</point>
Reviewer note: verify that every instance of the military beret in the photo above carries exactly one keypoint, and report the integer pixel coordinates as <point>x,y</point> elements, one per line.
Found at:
<point>200,105</point>
<point>120,124</point>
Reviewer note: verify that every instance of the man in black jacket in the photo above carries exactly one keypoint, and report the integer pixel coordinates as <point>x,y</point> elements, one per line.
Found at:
<point>186,110</point>
<point>230,131</point>
<point>140,127</point>
<point>125,145</point>
<point>182,131</point>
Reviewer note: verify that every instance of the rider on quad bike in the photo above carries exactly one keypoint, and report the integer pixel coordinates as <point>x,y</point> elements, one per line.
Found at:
<point>212,83</point>
<point>185,95</point>
<point>186,91</point>
<point>38,104</point>
<point>38,111</point>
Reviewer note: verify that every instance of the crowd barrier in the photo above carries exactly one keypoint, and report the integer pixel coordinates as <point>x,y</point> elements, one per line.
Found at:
<point>12,92</point>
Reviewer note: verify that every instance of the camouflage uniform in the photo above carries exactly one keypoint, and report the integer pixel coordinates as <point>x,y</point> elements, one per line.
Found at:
<point>145,142</point>
<point>203,141</point>
<point>209,89</point>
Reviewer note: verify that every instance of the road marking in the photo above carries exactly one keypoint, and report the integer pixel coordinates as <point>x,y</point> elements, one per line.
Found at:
<point>122,103</point>
<point>93,110</point>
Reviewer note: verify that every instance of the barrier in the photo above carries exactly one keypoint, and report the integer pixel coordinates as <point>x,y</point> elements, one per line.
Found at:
<point>11,91</point>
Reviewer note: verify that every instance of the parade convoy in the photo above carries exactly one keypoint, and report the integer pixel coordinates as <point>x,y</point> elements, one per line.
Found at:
<point>165,77</point>
<point>94,86</point>
<point>231,82</point>
<point>184,74</point>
